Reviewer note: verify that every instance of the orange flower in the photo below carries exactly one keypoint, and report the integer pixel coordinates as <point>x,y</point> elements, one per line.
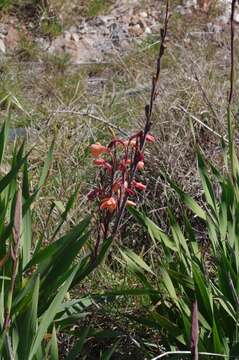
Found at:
<point>150,138</point>
<point>98,149</point>
<point>109,204</point>
<point>140,165</point>
<point>139,185</point>
<point>130,203</point>
<point>99,162</point>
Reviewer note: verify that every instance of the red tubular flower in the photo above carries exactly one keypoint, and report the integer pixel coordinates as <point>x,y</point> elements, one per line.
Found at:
<point>129,191</point>
<point>139,185</point>
<point>99,162</point>
<point>140,165</point>
<point>123,164</point>
<point>98,149</point>
<point>103,163</point>
<point>109,204</point>
<point>150,138</point>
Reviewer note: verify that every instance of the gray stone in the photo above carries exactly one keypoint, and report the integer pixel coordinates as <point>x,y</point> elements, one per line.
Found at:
<point>2,47</point>
<point>3,29</point>
<point>15,133</point>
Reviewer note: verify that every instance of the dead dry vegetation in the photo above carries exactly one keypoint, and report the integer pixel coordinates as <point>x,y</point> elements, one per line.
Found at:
<point>78,105</point>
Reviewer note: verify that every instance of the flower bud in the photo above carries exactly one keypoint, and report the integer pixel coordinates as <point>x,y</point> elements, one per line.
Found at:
<point>99,162</point>
<point>140,165</point>
<point>98,149</point>
<point>109,204</point>
<point>150,138</point>
<point>139,185</point>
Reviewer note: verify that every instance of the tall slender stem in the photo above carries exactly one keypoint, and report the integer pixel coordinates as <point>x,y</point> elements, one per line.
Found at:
<point>148,113</point>
<point>232,23</point>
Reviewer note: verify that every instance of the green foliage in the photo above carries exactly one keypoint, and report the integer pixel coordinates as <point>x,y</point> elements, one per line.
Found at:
<point>186,271</point>
<point>5,4</point>
<point>95,7</point>
<point>35,279</point>
<point>51,27</point>
<point>27,50</point>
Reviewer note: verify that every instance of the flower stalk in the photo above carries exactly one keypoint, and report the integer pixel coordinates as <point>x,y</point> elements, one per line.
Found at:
<point>121,161</point>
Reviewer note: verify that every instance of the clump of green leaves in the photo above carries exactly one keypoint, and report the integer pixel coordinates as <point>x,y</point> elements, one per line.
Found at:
<point>35,279</point>
<point>51,27</point>
<point>183,272</point>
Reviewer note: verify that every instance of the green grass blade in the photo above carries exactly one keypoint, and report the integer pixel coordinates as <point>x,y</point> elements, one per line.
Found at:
<point>28,322</point>
<point>188,200</point>
<point>203,294</point>
<point>218,346</point>
<point>58,247</point>
<point>77,349</point>
<point>207,186</point>
<point>6,180</point>
<point>129,254</point>
<point>232,148</point>
<point>54,345</point>
<point>3,138</point>
<point>62,264</point>
<point>107,355</point>
<point>68,207</point>
<point>27,220</point>
<point>46,166</point>
<point>50,313</point>
<point>166,280</point>
<point>154,231</point>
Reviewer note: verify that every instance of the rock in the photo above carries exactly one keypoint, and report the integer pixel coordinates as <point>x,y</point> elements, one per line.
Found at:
<point>42,43</point>
<point>190,3</point>
<point>182,10</point>
<point>12,38</point>
<point>137,25</point>
<point>236,17</point>
<point>143,14</point>
<point>15,133</point>
<point>136,30</point>
<point>80,50</point>
<point>226,4</point>
<point>22,133</point>
<point>2,47</point>
<point>3,29</point>
<point>96,37</point>
<point>147,30</point>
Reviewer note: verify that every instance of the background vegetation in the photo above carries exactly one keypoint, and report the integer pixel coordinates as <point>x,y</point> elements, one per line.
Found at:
<point>180,244</point>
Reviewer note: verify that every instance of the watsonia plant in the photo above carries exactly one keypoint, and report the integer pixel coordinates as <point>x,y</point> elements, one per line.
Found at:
<point>35,279</point>
<point>119,164</point>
